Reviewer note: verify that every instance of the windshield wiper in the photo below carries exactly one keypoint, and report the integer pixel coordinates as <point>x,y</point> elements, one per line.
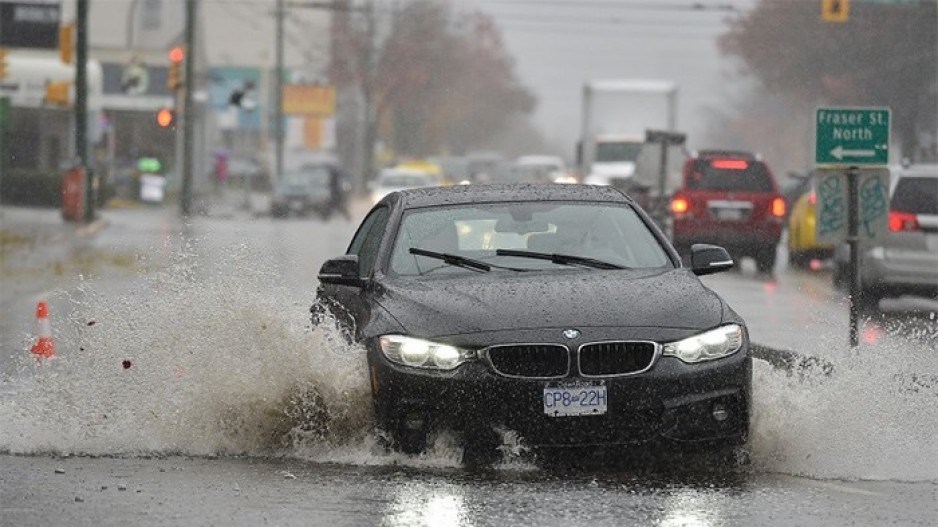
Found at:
<point>562,259</point>
<point>453,259</point>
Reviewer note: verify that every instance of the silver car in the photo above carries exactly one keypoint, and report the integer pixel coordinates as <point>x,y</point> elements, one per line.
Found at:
<point>906,262</point>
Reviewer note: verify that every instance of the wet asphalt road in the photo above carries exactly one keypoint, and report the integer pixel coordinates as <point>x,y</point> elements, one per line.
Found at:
<point>789,310</point>
<point>183,491</point>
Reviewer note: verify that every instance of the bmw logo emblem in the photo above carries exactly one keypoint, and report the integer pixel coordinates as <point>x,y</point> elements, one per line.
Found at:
<point>571,333</point>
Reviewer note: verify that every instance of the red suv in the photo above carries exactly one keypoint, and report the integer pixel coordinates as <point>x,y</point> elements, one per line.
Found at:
<point>729,199</point>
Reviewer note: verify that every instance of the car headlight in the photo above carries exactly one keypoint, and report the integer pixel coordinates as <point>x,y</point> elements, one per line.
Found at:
<point>714,344</point>
<point>419,353</point>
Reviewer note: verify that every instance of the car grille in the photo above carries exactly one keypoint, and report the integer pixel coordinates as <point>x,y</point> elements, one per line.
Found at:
<point>530,360</point>
<point>616,358</point>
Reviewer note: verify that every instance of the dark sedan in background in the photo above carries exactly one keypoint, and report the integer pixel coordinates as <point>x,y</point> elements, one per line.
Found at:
<point>559,312</point>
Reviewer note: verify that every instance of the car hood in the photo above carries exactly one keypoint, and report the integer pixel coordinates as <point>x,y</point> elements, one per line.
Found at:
<point>576,298</point>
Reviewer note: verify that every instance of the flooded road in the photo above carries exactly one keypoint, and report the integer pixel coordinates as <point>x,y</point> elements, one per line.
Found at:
<point>185,491</point>
<point>195,380</point>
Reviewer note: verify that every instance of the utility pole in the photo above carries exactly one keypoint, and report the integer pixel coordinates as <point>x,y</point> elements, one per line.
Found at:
<point>81,105</point>
<point>188,113</point>
<point>368,88</point>
<point>278,94</point>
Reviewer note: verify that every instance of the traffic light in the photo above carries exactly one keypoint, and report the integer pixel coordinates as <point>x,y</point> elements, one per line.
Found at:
<point>174,76</point>
<point>166,117</point>
<point>835,10</point>
<point>3,63</point>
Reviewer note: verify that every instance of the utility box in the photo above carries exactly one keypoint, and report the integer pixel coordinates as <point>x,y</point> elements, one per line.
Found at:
<point>73,194</point>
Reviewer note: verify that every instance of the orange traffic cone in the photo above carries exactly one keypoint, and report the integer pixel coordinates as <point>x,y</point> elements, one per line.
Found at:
<point>45,346</point>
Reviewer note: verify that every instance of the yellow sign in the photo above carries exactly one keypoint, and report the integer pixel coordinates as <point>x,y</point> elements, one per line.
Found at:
<point>835,10</point>
<point>308,99</point>
<point>66,43</point>
<point>312,133</point>
<point>57,93</point>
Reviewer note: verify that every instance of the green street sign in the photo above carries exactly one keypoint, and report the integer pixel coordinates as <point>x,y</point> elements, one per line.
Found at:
<point>851,136</point>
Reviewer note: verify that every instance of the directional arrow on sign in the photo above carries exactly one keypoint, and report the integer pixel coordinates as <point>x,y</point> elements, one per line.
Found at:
<point>840,153</point>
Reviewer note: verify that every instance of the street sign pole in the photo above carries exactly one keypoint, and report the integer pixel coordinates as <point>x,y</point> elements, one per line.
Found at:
<point>848,139</point>
<point>853,241</point>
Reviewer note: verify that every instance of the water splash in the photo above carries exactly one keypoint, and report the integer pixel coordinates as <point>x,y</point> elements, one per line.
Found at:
<point>200,360</point>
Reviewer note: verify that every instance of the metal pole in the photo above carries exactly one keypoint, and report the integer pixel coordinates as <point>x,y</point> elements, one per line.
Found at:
<point>586,136</point>
<point>81,105</point>
<point>278,95</point>
<point>368,157</point>
<point>188,113</point>
<point>661,209</point>
<point>853,228</point>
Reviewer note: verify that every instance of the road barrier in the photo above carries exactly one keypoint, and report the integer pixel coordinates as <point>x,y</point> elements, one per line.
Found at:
<point>44,348</point>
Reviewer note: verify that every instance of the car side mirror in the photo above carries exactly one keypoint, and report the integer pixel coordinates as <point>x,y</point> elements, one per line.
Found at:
<point>709,259</point>
<point>343,270</point>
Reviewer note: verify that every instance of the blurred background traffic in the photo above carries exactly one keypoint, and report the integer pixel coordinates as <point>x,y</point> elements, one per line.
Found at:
<point>254,101</point>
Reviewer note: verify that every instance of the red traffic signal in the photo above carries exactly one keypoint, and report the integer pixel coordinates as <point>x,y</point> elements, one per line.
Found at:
<point>165,117</point>
<point>177,54</point>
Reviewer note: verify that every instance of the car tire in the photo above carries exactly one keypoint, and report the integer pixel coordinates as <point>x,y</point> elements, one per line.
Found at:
<point>410,442</point>
<point>797,259</point>
<point>481,449</point>
<point>765,260</point>
<point>868,300</point>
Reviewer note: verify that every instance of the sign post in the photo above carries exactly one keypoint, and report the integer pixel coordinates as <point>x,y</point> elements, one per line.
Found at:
<point>847,139</point>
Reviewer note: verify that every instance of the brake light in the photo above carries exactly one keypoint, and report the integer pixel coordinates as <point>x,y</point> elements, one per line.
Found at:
<point>778,207</point>
<point>902,221</point>
<point>730,164</point>
<point>679,205</point>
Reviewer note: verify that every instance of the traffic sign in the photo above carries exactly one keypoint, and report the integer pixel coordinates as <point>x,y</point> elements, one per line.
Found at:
<point>848,137</point>
<point>835,10</point>
<point>831,208</point>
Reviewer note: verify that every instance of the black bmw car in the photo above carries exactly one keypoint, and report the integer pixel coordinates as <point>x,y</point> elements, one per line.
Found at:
<point>559,312</point>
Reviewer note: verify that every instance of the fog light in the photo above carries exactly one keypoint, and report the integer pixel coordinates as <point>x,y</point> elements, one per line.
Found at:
<point>720,413</point>
<point>413,422</point>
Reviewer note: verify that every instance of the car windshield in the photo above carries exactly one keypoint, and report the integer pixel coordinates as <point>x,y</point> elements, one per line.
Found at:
<point>608,232</point>
<point>307,178</point>
<point>618,152</point>
<point>730,174</point>
<point>916,195</point>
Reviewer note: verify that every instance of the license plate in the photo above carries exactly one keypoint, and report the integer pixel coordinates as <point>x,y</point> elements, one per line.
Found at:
<point>565,401</point>
<point>729,214</point>
<point>296,205</point>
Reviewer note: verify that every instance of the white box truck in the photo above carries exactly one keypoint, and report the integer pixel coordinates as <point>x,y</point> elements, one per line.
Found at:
<point>616,116</point>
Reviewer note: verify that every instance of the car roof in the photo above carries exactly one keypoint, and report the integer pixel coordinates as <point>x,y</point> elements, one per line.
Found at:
<point>708,154</point>
<point>463,194</point>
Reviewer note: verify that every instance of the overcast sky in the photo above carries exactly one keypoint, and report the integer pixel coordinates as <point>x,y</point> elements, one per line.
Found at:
<point>559,44</point>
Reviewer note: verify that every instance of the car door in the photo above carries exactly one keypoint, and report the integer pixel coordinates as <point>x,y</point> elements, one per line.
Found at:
<point>350,304</point>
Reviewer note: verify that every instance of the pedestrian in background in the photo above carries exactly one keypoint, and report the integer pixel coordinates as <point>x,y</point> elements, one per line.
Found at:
<point>337,195</point>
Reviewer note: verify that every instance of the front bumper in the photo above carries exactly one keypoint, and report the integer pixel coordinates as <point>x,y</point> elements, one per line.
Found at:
<point>895,270</point>
<point>671,401</point>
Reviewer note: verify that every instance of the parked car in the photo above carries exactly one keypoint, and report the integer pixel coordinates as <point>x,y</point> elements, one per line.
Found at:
<point>802,241</point>
<point>302,191</point>
<point>394,179</point>
<point>731,199</point>
<point>560,312</point>
<point>905,260</point>
<point>541,169</point>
